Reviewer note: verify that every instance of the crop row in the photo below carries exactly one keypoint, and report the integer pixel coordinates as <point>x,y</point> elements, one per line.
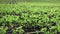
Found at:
<point>20,19</point>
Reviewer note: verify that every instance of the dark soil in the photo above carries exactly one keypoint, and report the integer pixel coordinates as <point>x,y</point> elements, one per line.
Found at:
<point>9,31</point>
<point>31,29</point>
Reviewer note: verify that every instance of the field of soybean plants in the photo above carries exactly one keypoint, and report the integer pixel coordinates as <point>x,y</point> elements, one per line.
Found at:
<point>30,18</point>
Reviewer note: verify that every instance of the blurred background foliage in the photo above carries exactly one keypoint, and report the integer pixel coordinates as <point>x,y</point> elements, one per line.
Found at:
<point>43,1</point>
